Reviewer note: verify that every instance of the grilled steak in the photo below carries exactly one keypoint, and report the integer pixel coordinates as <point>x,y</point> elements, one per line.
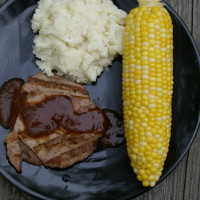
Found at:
<point>57,124</point>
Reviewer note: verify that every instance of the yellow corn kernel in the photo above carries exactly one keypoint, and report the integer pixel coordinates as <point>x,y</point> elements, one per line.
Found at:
<point>148,68</point>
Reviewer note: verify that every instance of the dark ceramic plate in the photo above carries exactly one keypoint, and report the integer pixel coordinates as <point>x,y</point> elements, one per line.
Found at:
<point>107,173</point>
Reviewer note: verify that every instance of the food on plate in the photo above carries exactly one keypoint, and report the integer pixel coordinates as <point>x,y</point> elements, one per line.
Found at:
<point>39,137</point>
<point>77,38</point>
<point>56,124</point>
<point>7,108</point>
<point>147,88</point>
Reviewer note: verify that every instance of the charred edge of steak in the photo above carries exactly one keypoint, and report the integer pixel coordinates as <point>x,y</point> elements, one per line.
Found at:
<point>53,83</point>
<point>9,96</point>
<point>14,150</point>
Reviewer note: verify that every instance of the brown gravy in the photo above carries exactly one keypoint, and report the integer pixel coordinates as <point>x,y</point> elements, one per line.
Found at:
<point>57,112</point>
<point>114,136</point>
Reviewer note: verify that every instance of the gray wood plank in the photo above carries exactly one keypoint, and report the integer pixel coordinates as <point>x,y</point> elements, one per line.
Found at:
<point>184,9</point>
<point>196,18</point>
<point>192,184</point>
<point>2,1</point>
<point>10,192</point>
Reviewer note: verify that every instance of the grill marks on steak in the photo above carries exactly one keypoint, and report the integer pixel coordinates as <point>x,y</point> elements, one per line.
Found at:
<point>61,148</point>
<point>61,151</point>
<point>77,146</point>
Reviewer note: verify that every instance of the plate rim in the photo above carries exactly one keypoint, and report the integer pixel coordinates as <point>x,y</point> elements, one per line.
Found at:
<point>178,161</point>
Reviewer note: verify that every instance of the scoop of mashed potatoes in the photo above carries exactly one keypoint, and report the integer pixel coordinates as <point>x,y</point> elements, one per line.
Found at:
<point>77,38</point>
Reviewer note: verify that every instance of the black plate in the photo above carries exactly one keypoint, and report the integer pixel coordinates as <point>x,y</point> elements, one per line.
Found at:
<point>107,173</point>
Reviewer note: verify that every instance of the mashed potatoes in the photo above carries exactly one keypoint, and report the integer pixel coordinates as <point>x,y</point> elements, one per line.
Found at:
<point>77,38</point>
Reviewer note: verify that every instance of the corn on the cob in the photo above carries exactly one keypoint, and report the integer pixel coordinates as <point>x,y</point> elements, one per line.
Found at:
<point>147,81</point>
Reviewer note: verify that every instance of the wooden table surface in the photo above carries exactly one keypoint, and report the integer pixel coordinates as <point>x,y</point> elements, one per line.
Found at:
<point>184,182</point>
